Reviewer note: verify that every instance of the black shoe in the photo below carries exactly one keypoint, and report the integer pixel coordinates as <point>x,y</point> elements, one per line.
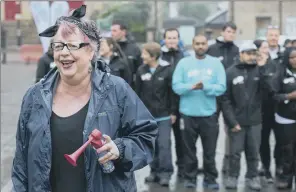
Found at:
<point>180,174</point>
<point>210,184</point>
<point>152,178</point>
<point>268,177</point>
<point>164,182</point>
<point>225,166</point>
<point>284,184</point>
<point>262,172</point>
<point>278,171</point>
<point>190,184</point>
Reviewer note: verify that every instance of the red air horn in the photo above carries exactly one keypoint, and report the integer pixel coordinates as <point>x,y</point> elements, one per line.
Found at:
<point>94,139</point>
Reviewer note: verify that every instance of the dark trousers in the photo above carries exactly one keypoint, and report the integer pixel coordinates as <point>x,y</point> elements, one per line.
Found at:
<point>162,162</point>
<point>207,128</point>
<point>287,142</point>
<point>225,165</point>
<point>178,144</point>
<point>268,124</point>
<point>247,140</point>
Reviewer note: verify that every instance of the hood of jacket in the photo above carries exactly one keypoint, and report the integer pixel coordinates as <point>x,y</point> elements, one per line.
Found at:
<point>220,40</point>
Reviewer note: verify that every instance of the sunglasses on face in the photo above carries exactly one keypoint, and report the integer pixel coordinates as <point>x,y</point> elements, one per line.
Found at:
<point>58,46</point>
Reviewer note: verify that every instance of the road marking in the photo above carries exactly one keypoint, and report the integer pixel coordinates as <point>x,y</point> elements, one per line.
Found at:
<point>7,187</point>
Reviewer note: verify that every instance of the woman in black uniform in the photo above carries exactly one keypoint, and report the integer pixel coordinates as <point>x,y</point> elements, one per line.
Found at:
<point>284,92</point>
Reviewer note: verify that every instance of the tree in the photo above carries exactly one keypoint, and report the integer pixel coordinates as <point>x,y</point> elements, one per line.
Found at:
<point>135,14</point>
<point>194,10</point>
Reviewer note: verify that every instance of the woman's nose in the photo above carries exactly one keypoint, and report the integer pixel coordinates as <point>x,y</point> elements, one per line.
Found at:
<point>65,51</point>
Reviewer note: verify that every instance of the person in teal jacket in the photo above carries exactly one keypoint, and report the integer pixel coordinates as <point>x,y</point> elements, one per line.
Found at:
<point>199,80</point>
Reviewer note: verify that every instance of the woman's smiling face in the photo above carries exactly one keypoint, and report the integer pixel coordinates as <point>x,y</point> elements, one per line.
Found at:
<point>72,51</point>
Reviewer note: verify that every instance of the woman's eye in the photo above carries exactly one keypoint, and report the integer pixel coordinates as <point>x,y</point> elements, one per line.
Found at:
<point>58,46</point>
<point>73,46</point>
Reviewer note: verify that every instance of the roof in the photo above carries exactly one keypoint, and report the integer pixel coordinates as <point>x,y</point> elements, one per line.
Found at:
<point>178,21</point>
<point>216,15</point>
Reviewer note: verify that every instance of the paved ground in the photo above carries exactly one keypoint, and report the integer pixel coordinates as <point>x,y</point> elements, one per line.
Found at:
<point>16,78</point>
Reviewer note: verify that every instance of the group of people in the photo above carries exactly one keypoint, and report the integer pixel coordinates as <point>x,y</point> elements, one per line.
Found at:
<point>162,88</point>
<point>253,86</point>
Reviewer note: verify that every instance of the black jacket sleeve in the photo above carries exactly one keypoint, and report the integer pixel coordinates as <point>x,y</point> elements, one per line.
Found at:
<point>138,83</point>
<point>226,103</point>
<point>211,51</point>
<point>274,83</point>
<point>138,59</point>
<point>173,97</point>
<point>267,74</point>
<point>127,75</point>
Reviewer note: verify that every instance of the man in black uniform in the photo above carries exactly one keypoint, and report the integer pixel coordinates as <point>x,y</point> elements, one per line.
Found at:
<point>268,108</point>
<point>172,53</point>
<point>127,44</point>
<point>241,106</point>
<point>227,52</point>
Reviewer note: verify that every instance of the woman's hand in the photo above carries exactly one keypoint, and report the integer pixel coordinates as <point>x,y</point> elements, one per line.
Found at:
<point>111,148</point>
<point>173,119</point>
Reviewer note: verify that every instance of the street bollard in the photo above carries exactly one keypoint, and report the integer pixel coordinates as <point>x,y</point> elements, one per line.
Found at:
<point>3,45</point>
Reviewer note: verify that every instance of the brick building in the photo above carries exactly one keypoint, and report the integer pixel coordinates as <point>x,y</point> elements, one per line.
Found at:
<point>253,17</point>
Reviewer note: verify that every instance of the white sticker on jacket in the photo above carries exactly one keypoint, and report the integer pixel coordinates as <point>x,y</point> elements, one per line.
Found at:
<point>146,77</point>
<point>289,80</point>
<point>238,80</point>
<point>210,72</point>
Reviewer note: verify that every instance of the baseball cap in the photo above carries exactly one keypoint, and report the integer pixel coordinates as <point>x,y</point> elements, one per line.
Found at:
<point>247,47</point>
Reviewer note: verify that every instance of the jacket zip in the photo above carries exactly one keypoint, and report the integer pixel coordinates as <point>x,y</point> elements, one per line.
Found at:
<point>153,79</point>
<point>226,58</point>
<point>246,92</point>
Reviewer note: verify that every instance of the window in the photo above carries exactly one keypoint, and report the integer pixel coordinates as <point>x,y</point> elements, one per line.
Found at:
<point>261,25</point>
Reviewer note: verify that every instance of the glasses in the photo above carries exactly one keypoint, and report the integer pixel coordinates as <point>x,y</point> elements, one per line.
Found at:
<point>58,46</point>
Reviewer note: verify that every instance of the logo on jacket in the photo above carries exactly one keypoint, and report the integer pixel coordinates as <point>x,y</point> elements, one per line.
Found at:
<point>146,77</point>
<point>221,58</point>
<point>209,72</point>
<point>238,80</point>
<point>289,80</point>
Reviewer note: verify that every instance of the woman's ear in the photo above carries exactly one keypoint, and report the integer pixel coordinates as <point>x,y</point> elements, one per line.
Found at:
<point>92,54</point>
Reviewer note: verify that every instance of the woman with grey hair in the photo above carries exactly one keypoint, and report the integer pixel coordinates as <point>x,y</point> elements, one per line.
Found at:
<point>60,112</point>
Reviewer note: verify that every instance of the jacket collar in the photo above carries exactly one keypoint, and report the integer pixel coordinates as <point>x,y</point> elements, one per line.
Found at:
<point>220,40</point>
<point>165,49</point>
<point>48,84</point>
